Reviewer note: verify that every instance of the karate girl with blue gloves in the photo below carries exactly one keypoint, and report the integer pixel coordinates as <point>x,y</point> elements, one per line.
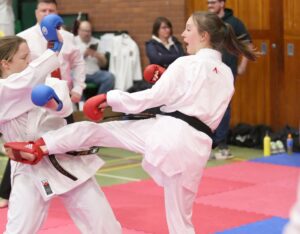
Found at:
<point>34,185</point>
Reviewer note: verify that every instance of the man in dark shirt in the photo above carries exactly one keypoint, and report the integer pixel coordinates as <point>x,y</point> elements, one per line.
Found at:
<point>220,135</point>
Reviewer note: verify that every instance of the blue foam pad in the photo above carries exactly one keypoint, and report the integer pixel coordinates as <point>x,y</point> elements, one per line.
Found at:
<point>281,159</point>
<point>273,225</point>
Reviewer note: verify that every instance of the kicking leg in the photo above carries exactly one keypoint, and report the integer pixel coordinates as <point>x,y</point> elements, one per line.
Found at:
<point>128,135</point>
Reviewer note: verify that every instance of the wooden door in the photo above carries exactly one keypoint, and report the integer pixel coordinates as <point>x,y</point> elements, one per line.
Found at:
<point>289,108</point>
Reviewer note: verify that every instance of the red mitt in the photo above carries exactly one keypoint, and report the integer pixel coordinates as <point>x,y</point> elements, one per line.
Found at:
<point>150,72</point>
<point>91,107</point>
<point>25,152</point>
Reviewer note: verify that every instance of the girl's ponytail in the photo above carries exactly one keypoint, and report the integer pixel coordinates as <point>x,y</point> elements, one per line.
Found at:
<point>222,35</point>
<point>236,45</point>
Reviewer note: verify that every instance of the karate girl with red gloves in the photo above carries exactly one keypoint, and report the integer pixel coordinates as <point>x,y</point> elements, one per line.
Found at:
<point>34,186</point>
<point>193,94</point>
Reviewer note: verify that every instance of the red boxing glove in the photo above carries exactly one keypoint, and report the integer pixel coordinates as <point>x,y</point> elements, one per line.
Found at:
<point>150,71</point>
<point>91,107</point>
<point>26,152</point>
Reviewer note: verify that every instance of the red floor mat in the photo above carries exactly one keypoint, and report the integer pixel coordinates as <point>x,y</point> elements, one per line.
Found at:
<point>58,221</point>
<point>146,213</point>
<point>229,196</point>
<point>252,172</point>
<point>210,219</point>
<point>208,186</point>
<point>267,198</point>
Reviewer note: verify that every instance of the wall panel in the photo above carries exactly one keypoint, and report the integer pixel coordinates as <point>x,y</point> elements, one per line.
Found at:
<point>289,87</point>
<point>251,101</point>
<point>255,14</point>
<point>291,12</point>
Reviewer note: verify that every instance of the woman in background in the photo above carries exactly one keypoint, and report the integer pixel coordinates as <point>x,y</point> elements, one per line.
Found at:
<point>163,48</point>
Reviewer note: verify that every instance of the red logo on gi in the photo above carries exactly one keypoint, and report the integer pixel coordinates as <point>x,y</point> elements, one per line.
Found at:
<point>215,70</point>
<point>47,187</point>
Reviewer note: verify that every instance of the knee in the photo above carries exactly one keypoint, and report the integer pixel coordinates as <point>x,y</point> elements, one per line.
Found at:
<point>113,79</point>
<point>110,76</point>
<point>110,79</point>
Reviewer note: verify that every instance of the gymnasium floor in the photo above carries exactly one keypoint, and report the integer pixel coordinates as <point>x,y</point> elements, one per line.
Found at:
<point>246,195</point>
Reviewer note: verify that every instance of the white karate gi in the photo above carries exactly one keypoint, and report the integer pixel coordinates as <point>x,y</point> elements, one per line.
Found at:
<point>125,61</point>
<point>72,66</point>
<point>293,226</point>
<point>7,18</point>
<point>175,153</point>
<point>33,186</point>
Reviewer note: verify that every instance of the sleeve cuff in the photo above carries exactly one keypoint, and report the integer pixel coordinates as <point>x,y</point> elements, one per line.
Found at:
<point>48,139</point>
<point>78,90</point>
<point>112,99</point>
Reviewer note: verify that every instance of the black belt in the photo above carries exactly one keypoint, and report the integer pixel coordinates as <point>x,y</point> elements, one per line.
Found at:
<point>55,163</point>
<point>58,167</point>
<point>192,121</point>
<point>92,150</point>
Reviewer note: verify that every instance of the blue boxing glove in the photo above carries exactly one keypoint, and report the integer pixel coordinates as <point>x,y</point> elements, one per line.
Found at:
<point>42,94</point>
<point>49,25</point>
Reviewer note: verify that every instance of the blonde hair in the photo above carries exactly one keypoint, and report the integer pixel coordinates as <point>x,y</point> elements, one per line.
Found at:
<point>221,34</point>
<point>9,46</point>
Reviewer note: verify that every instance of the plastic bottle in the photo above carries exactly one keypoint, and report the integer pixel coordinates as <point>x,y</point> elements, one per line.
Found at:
<point>289,144</point>
<point>267,145</point>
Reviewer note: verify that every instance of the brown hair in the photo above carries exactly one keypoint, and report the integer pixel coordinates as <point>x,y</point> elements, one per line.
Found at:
<point>157,23</point>
<point>9,46</point>
<point>221,34</point>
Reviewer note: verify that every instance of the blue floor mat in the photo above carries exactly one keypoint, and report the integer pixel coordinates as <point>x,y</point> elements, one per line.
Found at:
<point>274,225</point>
<point>281,159</point>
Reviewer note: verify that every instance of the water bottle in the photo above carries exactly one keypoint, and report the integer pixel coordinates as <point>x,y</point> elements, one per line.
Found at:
<point>289,144</point>
<point>267,145</point>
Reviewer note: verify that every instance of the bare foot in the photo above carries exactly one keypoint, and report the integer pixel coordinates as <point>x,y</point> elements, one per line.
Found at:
<point>3,203</point>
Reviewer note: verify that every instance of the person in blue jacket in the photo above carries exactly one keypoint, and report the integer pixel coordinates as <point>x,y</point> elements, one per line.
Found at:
<point>163,48</point>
